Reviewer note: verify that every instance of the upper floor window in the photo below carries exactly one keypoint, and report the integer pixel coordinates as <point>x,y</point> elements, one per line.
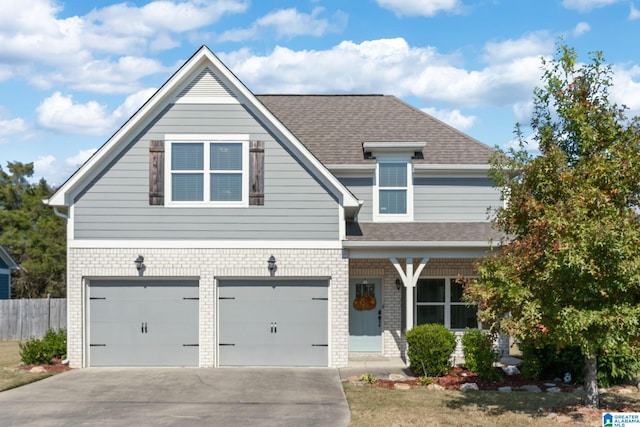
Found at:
<point>208,172</point>
<point>439,300</point>
<point>393,192</point>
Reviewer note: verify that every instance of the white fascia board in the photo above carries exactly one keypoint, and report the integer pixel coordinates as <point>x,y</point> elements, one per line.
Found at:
<point>416,252</point>
<point>449,170</point>
<point>7,259</point>
<point>204,244</point>
<point>414,244</point>
<point>393,147</point>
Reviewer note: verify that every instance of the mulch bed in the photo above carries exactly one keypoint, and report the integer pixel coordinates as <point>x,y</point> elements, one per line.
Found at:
<point>458,376</point>
<point>55,366</point>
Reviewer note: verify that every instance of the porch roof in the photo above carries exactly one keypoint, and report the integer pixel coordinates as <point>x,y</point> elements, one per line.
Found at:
<point>452,232</point>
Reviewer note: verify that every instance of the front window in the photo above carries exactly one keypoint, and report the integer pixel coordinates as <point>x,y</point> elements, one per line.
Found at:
<point>208,172</point>
<point>439,300</point>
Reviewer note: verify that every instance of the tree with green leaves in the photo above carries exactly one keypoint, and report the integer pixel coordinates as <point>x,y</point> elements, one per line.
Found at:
<point>32,234</point>
<point>568,272</point>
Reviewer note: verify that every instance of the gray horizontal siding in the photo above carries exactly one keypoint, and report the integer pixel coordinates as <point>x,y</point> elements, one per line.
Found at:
<point>454,199</point>
<point>116,206</point>
<point>363,190</point>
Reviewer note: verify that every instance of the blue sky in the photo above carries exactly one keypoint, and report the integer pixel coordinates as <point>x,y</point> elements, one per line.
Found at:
<point>71,73</point>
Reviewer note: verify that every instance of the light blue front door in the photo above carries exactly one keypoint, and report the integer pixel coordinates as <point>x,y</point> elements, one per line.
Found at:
<point>365,315</point>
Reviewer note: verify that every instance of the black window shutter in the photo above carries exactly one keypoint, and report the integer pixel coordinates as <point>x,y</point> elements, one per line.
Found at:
<point>256,173</point>
<point>156,172</point>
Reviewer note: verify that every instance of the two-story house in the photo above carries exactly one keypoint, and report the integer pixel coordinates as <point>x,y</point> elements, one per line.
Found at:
<point>217,227</point>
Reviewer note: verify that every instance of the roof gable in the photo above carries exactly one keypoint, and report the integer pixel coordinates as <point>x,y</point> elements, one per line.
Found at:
<point>202,79</point>
<point>6,259</point>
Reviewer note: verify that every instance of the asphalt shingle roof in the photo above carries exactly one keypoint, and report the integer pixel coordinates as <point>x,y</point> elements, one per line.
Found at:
<point>423,232</point>
<point>333,128</point>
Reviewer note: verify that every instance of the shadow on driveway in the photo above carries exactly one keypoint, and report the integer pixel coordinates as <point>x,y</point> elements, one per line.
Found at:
<point>180,396</point>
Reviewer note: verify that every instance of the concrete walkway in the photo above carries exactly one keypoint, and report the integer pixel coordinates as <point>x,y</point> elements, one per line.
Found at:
<point>179,397</point>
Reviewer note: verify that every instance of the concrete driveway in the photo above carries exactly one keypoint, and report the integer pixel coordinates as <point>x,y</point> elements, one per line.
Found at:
<point>179,396</point>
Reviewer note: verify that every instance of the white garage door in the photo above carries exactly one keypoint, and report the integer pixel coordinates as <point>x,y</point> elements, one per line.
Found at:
<point>273,323</point>
<point>143,323</point>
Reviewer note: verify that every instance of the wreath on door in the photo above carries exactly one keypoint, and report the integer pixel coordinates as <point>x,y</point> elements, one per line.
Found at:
<point>365,297</point>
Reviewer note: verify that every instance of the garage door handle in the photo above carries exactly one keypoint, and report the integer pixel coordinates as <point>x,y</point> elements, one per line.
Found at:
<point>143,328</point>
<point>275,327</point>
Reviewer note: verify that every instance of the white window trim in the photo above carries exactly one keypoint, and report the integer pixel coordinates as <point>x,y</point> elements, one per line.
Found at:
<point>447,303</point>
<point>206,139</point>
<point>406,217</point>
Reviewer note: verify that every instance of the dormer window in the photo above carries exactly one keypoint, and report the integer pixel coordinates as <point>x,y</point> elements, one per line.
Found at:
<point>392,187</point>
<point>393,180</point>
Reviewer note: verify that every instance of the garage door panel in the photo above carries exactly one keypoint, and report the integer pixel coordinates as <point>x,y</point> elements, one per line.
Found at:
<point>273,323</point>
<point>143,323</point>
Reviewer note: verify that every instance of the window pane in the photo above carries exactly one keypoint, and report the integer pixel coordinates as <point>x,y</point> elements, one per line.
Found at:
<point>431,290</point>
<point>464,316</point>
<point>226,187</point>
<point>430,314</point>
<point>187,156</point>
<point>393,174</point>
<point>393,201</point>
<point>456,291</point>
<point>226,156</point>
<point>187,187</point>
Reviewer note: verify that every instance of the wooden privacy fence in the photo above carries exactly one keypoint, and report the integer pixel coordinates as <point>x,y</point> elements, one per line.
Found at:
<point>21,319</point>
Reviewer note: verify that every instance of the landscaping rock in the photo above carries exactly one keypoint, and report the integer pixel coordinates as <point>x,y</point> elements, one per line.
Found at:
<point>553,390</point>
<point>549,384</point>
<point>625,390</point>
<point>551,416</point>
<point>437,387</point>
<point>505,389</point>
<point>401,386</point>
<point>37,370</point>
<point>397,377</point>
<point>469,387</point>
<point>511,370</point>
<point>531,388</point>
<point>563,419</point>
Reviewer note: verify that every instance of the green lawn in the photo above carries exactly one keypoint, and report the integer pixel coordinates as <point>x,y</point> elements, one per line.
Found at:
<point>9,359</point>
<point>420,407</point>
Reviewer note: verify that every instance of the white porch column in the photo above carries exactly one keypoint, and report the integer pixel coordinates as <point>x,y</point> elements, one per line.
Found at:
<point>410,280</point>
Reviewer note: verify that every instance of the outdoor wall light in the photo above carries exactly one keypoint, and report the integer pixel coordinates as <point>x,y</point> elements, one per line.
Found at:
<point>398,284</point>
<point>272,265</point>
<point>140,265</point>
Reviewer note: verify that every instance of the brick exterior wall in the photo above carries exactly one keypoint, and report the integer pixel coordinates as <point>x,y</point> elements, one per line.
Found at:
<point>207,264</point>
<point>393,342</point>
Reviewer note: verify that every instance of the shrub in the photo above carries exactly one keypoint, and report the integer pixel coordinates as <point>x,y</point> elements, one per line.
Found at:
<point>479,354</point>
<point>547,362</point>
<point>42,351</point>
<point>430,348</point>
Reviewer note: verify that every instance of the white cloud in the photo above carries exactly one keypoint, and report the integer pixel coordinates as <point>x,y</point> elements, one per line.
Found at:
<point>287,23</point>
<point>389,66</point>
<point>56,172</point>
<point>452,117</point>
<point>93,52</point>
<point>634,13</point>
<point>11,127</point>
<point>626,88</point>
<point>60,114</point>
<point>533,45</point>
<point>420,7</point>
<point>587,5</point>
<point>529,144</point>
<point>581,28</point>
